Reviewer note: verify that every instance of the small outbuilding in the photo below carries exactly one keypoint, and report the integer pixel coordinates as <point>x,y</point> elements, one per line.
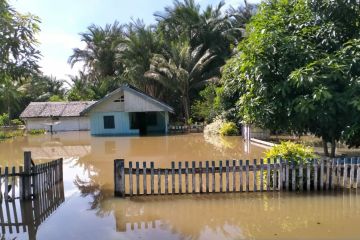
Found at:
<point>60,116</point>
<point>128,111</point>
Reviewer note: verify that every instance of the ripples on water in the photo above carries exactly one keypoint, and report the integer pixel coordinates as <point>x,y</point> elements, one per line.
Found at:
<point>88,210</point>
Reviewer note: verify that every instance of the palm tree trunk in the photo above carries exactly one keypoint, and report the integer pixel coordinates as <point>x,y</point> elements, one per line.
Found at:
<point>333,148</point>
<point>325,146</point>
<point>186,107</point>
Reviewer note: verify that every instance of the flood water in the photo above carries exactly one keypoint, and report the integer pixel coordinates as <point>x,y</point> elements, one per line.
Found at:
<point>83,206</point>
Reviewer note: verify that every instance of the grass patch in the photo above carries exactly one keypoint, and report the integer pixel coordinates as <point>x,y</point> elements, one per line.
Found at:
<point>36,131</point>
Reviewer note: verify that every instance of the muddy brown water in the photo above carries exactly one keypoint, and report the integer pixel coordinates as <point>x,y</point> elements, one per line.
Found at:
<point>88,210</point>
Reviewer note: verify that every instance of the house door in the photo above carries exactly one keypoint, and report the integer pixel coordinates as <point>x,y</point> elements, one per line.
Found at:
<point>142,123</point>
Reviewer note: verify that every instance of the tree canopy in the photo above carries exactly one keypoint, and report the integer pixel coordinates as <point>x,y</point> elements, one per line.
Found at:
<point>298,69</point>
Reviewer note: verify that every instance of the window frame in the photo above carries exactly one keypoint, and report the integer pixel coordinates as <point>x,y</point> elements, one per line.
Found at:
<point>107,124</point>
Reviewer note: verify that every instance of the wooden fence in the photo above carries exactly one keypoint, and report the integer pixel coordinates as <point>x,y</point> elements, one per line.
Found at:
<point>27,215</point>
<point>193,128</point>
<point>29,180</point>
<point>274,175</point>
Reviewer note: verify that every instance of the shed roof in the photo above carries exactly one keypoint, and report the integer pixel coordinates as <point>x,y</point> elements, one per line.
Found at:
<point>55,109</point>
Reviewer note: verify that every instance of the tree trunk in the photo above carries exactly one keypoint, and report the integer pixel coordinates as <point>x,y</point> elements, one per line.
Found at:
<point>325,146</point>
<point>333,148</point>
<point>186,108</point>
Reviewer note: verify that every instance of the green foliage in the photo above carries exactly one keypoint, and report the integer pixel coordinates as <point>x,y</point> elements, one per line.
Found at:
<point>290,151</point>
<point>229,129</point>
<point>56,98</point>
<point>4,119</point>
<point>208,106</point>
<point>297,71</point>
<point>10,134</point>
<point>16,122</point>
<point>36,131</point>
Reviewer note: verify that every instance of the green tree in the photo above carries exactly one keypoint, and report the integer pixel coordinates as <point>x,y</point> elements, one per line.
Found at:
<point>99,57</point>
<point>183,70</point>
<point>293,72</point>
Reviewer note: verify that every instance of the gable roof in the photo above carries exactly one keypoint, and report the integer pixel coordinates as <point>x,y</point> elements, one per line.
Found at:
<point>137,92</point>
<point>55,109</point>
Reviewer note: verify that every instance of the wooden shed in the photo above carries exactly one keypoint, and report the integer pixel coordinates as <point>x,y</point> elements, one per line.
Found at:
<point>128,111</point>
<point>61,116</point>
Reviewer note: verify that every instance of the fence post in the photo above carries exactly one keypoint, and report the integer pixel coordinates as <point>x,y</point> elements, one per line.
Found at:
<point>119,177</point>
<point>26,177</point>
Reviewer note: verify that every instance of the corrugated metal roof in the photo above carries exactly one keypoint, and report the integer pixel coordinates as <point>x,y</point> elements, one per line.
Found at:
<point>55,109</point>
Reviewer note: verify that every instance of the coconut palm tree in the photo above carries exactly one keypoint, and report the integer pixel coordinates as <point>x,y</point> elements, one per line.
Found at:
<point>183,69</point>
<point>99,55</point>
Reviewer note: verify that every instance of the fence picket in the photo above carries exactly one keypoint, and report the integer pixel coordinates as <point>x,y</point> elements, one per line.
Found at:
<point>287,175</point>
<point>280,182</point>
<point>130,179</point>
<point>166,181</point>
<point>293,176</point>
<point>152,177</point>
<point>275,174</point>
<point>268,175</point>
<point>315,174</point>
<point>301,177</point>
<point>180,179</point>
<point>255,176</point>
<point>308,175</point>
<point>345,173</point>
<point>227,175</point>
<point>327,181</point>
<point>241,175</point>
<point>173,177</point>
<point>221,176</point>
<point>137,178</point>
<point>207,175</point>
<point>193,177</point>
<point>159,181</point>
<point>200,177</point>
<point>144,179</point>
<point>351,182</point>
<point>187,177</point>
<point>6,182</point>
<point>321,181</point>
<point>213,176</point>
<point>247,176</point>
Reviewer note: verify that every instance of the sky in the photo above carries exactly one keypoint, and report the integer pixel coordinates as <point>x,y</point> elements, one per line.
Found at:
<point>63,20</point>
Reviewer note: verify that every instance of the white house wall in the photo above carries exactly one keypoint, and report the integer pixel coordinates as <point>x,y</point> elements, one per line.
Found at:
<point>109,105</point>
<point>66,124</point>
<point>135,103</point>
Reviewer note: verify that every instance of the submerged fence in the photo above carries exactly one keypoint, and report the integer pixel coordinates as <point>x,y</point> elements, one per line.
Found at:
<point>26,216</point>
<point>29,180</point>
<point>239,176</point>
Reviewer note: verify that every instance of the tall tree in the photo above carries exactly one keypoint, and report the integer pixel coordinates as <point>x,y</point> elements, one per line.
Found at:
<point>99,57</point>
<point>292,73</point>
<point>183,70</point>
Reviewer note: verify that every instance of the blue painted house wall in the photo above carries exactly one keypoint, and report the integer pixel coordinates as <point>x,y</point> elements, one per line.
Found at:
<point>122,124</point>
<point>124,104</point>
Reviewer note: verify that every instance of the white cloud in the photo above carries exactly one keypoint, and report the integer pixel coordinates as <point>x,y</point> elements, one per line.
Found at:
<point>56,48</point>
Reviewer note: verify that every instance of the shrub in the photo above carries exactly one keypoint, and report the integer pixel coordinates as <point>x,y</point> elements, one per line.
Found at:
<point>4,119</point>
<point>214,127</point>
<point>16,122</point>
<point>10,134</point>
<point>36,131</point>
<point>290,151</point>
<point>229,129</point>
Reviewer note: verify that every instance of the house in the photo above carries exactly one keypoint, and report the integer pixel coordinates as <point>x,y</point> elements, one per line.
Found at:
<point>125,111</point>
<point>60,116</point>
<point>128,111</point>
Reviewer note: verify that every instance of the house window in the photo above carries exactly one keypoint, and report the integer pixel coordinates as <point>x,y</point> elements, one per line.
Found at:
<point>121,99</point>
<point>151,118</point>
<point>109,122</point>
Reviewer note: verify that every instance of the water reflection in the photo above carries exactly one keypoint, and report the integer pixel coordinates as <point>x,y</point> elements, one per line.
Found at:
<point>240,216</point>
<point>25,216</point>
<point>91,212</point>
